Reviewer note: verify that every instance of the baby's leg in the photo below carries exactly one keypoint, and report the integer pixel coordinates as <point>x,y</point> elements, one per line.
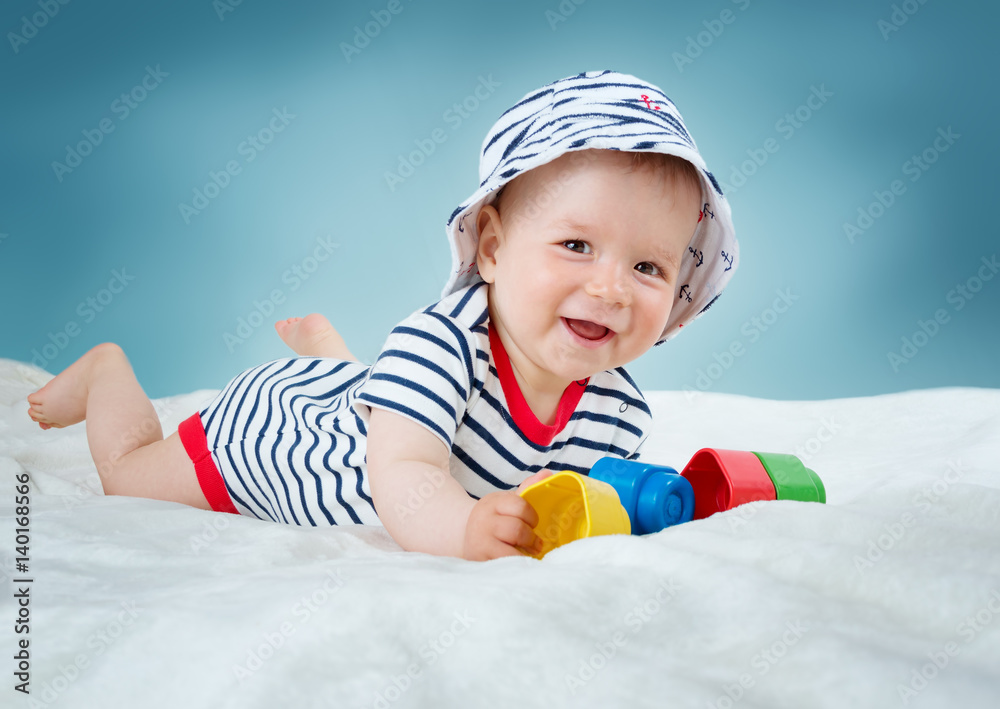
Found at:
<point>123,430</point>
<point>313,336</point>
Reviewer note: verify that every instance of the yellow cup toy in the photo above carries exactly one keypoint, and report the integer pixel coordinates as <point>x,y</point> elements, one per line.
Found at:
<point>573,506</point>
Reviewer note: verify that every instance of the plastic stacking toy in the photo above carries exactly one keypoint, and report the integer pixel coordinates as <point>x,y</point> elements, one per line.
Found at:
<point>723,479</point>
<point>623,496</point>
<point>654,496</point>
<point>792,480</point>
<point>572,506</point>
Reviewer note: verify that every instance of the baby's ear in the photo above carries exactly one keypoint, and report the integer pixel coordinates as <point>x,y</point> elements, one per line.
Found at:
<point>490,229</point>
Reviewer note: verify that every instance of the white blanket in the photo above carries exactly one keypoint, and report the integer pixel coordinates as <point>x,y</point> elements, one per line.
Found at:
<point>888,595</point>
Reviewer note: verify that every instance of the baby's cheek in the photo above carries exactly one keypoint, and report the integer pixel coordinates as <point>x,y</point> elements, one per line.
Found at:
<point>658,315</point>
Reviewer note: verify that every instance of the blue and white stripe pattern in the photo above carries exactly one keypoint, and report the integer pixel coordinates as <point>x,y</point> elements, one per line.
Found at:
<point>611,111</point>
<point>287,444</point>
<point>289,436</point>
<point>459,398</point>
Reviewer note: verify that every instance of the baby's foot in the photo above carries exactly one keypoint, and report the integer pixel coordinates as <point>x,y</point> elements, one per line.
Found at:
<point>313,336</point>
<point>63,401</point>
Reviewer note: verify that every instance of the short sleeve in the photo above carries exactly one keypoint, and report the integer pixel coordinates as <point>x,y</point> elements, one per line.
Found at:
<point>424,372</point>
<point>638,450</point>
<point>623,406</point>
<point>642,422</point>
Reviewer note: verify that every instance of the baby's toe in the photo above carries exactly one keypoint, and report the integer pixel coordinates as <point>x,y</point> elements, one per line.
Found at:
<point>39,418</point>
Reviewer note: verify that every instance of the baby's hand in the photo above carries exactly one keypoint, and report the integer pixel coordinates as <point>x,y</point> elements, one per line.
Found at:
<point>501,524</point>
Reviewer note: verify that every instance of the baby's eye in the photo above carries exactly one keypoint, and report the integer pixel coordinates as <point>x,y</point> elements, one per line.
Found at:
<point>647,268</point>
<point>580,247</point>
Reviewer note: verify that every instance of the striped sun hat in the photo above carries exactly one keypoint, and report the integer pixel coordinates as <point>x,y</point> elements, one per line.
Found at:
<point>612,111</point>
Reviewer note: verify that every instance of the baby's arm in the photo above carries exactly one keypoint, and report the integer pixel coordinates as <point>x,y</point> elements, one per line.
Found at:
<point>425,509</point>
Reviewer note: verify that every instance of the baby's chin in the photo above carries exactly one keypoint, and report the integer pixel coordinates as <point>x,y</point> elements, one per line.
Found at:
<point>573,370</point>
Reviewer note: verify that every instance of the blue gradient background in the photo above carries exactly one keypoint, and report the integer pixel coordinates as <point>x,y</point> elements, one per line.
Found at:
<point>325,175</point>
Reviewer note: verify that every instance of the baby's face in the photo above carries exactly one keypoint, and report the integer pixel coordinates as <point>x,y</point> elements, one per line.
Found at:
<point>583,264</point>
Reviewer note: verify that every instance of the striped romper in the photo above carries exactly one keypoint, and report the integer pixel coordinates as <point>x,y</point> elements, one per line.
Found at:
<point>285,441</point>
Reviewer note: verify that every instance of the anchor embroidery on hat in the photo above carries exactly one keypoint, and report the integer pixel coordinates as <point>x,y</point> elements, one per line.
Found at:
<point>728,259</point>
<point>649,103</point>
<point>704,211</point>
<point>697,253</point>
<point>685,292</point>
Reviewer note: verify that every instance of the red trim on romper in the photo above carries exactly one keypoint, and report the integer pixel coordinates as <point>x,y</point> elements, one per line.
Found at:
<point>192,435</point>
<point>536,431</point>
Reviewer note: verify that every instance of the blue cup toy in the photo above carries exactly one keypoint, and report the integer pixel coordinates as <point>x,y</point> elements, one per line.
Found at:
<point>655,496</point>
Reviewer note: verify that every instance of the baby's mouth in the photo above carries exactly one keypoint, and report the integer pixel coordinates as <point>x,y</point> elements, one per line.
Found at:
<point>586,329</point>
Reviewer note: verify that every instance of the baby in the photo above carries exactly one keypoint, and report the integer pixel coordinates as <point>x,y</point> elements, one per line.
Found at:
<point>597,232</point>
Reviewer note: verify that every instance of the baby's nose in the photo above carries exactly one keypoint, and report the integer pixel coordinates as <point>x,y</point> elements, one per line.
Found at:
<point>610,282</point>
